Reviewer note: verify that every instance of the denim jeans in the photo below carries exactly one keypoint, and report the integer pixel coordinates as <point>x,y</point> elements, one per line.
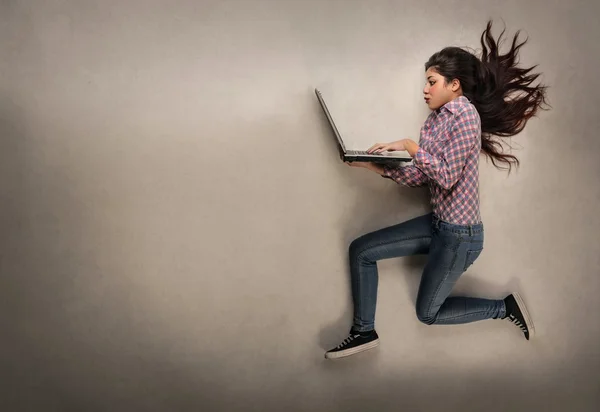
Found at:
<point>451,249</point>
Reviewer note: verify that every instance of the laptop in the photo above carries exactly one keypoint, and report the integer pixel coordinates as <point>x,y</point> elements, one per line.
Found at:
<point>395,157</point>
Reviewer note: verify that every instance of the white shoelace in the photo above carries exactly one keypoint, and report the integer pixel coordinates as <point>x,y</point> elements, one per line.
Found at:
<point>518,323</point>
<point>347,341</point>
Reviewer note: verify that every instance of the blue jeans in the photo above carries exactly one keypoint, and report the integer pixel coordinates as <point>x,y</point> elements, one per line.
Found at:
<point>451,249</point>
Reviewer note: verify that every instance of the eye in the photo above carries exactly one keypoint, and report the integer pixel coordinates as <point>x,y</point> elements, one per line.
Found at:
<point>431,83</point>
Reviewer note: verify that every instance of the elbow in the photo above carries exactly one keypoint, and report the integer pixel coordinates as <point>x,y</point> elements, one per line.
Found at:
<point>447,179</point>
<point>414,184</point>
<point>447,184</point>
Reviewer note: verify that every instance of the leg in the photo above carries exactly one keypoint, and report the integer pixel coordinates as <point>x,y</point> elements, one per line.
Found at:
<point>409,238</point>
<point>450,255</point>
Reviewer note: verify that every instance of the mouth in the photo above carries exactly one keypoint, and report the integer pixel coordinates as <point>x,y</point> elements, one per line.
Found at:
<point>427,100</point>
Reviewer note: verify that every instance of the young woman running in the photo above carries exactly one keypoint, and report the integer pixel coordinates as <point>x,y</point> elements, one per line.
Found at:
<point>473,101</point>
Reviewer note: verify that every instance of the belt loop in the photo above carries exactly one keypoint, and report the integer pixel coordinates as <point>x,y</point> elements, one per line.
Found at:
<point>470,230</point>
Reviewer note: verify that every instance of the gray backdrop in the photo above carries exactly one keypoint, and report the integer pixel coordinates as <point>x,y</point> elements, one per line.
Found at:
<point>174,220</point>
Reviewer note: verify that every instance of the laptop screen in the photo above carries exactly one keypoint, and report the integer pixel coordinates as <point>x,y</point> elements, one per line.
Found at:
<point>326,110</point>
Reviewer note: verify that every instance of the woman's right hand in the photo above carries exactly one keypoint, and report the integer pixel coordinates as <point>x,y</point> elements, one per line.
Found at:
<point>390,147</point>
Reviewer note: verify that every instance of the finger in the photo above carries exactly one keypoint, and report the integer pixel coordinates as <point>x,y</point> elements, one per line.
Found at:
<point>375,147</point>
<point>382,148</point>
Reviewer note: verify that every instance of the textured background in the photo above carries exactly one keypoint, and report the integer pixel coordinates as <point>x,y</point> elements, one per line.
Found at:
<point>174,221</point>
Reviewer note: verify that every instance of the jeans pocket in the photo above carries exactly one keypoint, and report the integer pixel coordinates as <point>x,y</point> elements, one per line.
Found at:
<point>472,256</point>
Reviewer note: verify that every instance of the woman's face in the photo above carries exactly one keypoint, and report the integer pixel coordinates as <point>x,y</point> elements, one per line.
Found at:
<point>436,92</point>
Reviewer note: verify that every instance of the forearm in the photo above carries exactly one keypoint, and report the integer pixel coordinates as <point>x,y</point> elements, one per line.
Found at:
<point>408,175</point>
<point>375,168</point>
<point>411,147</point>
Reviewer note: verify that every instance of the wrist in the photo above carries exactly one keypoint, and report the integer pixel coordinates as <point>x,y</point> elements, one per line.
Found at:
<point>376,168</point>
<point>411,147</point>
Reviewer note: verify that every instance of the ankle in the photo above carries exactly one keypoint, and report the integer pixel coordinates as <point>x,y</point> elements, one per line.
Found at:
<point>503,310</point>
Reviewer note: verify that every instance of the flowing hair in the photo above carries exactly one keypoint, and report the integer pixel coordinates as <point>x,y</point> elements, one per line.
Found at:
<point>501,92</point>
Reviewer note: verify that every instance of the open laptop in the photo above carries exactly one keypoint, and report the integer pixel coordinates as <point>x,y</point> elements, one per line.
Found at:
<point>358,155</point>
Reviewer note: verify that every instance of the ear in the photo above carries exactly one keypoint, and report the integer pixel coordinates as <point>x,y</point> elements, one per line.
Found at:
<point>455,85</point>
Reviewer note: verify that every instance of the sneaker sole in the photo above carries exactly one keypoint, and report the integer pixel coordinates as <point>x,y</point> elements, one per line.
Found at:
<point>353,351</point>
<point>526,315</point>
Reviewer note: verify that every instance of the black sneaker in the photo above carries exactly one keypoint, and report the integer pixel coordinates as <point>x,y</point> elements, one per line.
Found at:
<point>353,344</point>
<point>517,313</point>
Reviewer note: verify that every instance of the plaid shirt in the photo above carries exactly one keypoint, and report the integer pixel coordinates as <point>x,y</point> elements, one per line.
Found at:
<point>448,161</point>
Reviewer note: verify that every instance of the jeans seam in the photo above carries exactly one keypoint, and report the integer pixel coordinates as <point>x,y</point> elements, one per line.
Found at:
<point>466,315</point>
<point>437,291</point>
<point>358,256</point>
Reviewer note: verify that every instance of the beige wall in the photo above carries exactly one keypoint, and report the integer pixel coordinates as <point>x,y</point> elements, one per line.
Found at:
<point>175,223</point>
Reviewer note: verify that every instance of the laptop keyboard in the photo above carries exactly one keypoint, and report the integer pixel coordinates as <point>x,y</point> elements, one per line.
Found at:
<point>360,152</point>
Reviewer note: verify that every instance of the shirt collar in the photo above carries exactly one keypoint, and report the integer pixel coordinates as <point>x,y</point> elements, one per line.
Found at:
<point>454,105</point>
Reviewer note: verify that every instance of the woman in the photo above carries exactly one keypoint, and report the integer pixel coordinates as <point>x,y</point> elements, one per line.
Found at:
<point>471,100</point>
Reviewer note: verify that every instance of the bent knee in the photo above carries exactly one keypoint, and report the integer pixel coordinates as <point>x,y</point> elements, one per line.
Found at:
<point>425,316</point>
<point>357,249</point>
<point>354,246</point>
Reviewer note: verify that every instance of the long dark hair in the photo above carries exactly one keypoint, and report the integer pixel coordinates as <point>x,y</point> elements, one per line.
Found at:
<point>501,91</point>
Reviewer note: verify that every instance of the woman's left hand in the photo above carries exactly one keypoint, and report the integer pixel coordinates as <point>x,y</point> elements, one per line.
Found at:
<point>366,165</point>
<point>369,166</point>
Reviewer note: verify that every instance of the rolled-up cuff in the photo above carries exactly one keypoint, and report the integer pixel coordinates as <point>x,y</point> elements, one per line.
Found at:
<point>421,157</point>
<point>387,172</point>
